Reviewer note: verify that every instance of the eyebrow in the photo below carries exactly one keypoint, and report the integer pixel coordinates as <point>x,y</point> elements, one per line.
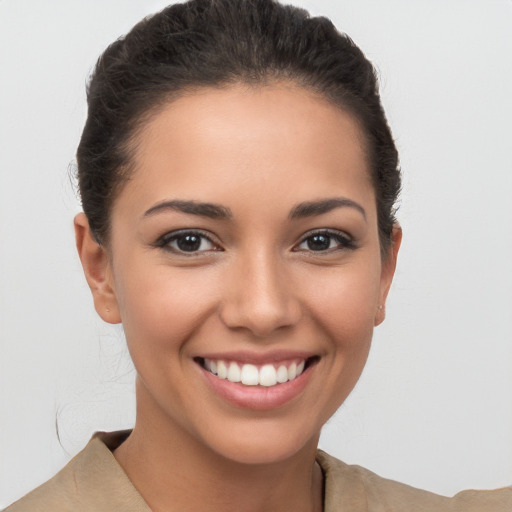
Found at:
<point>313,208</point>
<point>215,211</point>
<point>210,210</point>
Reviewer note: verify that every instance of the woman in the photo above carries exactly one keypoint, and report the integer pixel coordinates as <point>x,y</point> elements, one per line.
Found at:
<point>238,180</point>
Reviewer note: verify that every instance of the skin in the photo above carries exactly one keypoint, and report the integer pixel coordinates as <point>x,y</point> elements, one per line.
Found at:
<point>257,287</point>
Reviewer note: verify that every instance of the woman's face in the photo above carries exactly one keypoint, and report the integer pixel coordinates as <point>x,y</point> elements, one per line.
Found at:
<point>246,245</point>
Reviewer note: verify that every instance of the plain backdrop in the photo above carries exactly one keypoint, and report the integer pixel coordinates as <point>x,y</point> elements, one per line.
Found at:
<point>434,405</point>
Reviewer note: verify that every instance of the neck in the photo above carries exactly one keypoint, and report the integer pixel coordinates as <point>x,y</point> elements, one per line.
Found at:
<point>169,466</point>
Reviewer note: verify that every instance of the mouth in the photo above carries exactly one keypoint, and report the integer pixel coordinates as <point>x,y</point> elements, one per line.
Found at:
<point>268,375</point>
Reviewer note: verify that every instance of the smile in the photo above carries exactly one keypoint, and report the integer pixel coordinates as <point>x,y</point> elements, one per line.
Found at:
<point>255,381</point>
<point>252,375</point>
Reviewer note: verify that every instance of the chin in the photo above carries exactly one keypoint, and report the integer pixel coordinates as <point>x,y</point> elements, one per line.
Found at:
<point>262,441</point>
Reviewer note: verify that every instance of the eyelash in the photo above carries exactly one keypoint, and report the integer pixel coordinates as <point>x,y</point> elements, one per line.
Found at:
<point>343,242</point>
<point>165,241</point>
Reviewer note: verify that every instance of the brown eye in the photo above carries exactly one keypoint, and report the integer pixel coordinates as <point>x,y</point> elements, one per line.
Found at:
<point>318,242</point>
<point>187,242</point>
<point>324,241</point>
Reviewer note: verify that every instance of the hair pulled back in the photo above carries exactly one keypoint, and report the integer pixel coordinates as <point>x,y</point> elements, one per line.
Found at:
<point>215,43</point>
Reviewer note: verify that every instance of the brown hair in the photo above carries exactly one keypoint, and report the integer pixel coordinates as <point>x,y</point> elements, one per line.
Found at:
<point>215,43</point>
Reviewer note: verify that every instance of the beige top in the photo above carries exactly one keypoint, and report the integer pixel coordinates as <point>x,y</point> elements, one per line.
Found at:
<point>94,481</point>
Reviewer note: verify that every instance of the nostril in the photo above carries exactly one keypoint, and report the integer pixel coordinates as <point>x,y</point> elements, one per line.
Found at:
<point>262,319</point>
<point>259,297</point>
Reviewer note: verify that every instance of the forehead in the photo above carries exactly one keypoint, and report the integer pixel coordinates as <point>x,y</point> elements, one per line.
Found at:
<point>254,140</point>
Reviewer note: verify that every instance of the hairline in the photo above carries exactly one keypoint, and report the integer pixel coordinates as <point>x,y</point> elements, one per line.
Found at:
<point>161,102</point>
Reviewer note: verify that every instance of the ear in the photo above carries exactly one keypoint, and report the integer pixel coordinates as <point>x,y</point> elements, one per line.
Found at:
<point>387,273</point>
<point>98,271</point>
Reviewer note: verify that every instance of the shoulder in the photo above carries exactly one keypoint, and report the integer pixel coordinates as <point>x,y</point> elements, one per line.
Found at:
<point>358,489</point>
<point>91,481</point>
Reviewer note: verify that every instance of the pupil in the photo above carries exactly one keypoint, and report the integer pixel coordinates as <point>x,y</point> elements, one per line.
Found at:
<point>319,242</point>
<point>189,243</point>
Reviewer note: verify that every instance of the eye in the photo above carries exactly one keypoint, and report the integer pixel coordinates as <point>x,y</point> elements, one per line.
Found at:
<point>325,241</point>
<point>187,242</point>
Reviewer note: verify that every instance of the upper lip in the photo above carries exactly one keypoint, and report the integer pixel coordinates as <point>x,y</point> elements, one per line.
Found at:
<point>274,356</point>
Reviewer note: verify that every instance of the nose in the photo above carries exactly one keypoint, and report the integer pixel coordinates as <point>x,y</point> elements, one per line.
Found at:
<point>259,297</point>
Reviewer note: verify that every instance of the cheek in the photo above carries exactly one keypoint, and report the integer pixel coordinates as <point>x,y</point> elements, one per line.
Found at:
<point>345,300</point>
<point>161,307</point>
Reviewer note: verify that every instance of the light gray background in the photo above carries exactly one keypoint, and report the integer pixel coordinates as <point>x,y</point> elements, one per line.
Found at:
<point>434,405</point>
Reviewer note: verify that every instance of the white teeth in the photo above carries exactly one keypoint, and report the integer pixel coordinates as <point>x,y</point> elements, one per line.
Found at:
<point>282,374</point>
<point>268,375</point>
<point>222,370</point>
<point>292,371</point>
<point>250,375</point>
<point>234,374</point>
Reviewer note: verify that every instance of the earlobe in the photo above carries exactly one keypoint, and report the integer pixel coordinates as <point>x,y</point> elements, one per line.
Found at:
<point>98,271</point>
<point>387,273</point>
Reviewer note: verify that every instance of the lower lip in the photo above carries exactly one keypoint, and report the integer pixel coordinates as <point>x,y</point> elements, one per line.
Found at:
<point>258,398</point>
